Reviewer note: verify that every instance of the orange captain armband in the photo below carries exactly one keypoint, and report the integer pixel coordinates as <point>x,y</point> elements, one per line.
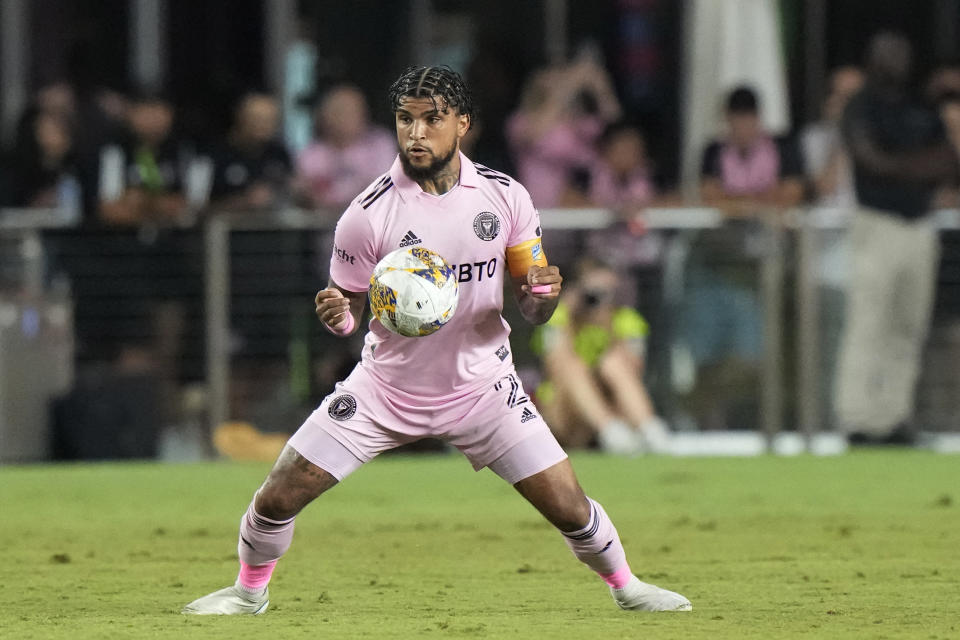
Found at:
<point>525,254</point>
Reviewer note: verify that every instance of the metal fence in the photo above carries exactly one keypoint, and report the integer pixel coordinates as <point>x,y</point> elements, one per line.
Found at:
<point>240,316</point>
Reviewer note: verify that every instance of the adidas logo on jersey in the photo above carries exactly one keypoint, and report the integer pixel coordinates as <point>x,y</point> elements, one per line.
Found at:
<point>527,415</point>
<point>410,239</point>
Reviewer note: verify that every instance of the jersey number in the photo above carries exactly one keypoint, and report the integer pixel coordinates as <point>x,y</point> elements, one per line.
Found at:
<point>515,397</point>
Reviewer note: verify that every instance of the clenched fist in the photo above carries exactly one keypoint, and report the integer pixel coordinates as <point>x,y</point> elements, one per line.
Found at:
<point>333,309</point>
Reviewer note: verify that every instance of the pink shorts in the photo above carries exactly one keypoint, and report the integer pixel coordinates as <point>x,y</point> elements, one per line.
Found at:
<point>496,426</point>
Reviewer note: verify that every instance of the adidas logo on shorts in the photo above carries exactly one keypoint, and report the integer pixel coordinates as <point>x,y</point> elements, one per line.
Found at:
<point>526,415</point>
<point>410,239</point>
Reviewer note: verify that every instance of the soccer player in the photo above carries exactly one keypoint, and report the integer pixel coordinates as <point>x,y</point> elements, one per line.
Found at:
<point>458,384</point>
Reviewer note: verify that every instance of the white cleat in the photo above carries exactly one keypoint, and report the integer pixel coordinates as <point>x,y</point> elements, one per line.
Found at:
<point>640,596</point>
<point>231,601</point>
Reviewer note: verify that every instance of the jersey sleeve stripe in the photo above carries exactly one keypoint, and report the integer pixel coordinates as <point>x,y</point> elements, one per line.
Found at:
<point>376,187</point>
<point>490,174</point>
<point>373,197</point>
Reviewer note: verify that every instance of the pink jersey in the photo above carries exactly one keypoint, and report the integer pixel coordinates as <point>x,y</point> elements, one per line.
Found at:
<point>471,226</point>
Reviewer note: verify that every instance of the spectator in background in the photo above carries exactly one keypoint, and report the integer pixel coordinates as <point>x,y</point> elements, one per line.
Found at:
<point>95,115</point>
<point>750,171</point>
<point>621,179</point>
<point>553,134</point>
<point>252,169</point>
<point>42,168</point>
<point>901,156</point>
<point>593,354</point>
<point>348,153</point>
<point>621,176</point>
<point>748,174</point>
<point>140,177</point>
<point>826,160</point>
<point>830,181</point>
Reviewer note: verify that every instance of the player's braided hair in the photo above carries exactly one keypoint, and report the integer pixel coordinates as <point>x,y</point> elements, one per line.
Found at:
<point>442,84</point>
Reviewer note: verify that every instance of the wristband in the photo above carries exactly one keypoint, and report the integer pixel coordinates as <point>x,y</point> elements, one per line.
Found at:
<point>346,329</point>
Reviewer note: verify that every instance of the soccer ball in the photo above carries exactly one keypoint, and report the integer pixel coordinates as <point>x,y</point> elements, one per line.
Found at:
<point>413,292</point>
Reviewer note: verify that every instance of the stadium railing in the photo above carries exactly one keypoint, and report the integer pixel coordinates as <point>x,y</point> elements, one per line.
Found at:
<point>789,395</point>
<point>36,333</point>
<point>791,247</point>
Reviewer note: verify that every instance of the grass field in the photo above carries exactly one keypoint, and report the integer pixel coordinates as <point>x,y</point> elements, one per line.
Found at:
<point>865,545</point>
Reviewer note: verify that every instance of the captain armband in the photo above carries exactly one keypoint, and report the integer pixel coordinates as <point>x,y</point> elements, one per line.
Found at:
<point>522,256</point>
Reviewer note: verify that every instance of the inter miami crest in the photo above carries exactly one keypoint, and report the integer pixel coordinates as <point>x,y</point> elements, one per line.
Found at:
<point>342,407</point>
<point>486,225</point>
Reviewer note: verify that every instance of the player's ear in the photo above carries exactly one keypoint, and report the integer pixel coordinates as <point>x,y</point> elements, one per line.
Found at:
<point>463,124</point>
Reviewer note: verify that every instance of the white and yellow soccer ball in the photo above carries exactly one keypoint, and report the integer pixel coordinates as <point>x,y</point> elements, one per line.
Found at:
<point>413,292</point>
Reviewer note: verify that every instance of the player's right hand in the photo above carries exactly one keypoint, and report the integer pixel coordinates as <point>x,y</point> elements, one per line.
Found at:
<point>332,307</point>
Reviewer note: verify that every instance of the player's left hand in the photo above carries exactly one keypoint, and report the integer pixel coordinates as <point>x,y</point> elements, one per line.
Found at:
<point>543,282</point>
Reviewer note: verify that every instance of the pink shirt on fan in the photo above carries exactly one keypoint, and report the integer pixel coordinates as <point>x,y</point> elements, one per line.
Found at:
<point>609,190</point>
<point>545,165</point>
<point>755,171</point>
<point>333,176</point>
<point>472,349</point>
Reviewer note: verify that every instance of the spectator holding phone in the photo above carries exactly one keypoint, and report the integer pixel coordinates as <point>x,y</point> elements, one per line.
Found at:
<point>593,351</point>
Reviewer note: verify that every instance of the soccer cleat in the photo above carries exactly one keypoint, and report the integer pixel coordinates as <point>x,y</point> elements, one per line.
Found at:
<point>640,596</point>
<point>231,601</point>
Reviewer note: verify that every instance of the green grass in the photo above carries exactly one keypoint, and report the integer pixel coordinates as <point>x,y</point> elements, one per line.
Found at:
<point>866,545</point>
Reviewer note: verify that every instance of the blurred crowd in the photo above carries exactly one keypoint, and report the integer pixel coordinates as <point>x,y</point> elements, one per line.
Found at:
<point>568,139</point>
<point>118,160</point>
<point>123,159</point>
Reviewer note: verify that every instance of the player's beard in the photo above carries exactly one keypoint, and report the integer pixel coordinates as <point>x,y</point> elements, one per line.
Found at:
<point>429,172</point>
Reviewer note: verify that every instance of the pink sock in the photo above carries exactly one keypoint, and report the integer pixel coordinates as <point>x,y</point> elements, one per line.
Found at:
<point>263,539</point>
<point>598,546</point>
<point>255,577</point>
<point>619,578</point>
<point>262,542</point>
